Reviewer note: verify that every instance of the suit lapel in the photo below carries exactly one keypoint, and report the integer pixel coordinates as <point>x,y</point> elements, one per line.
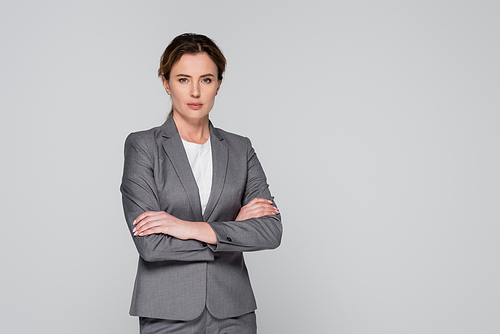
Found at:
<point>173,147</point>
<point>219,159</point>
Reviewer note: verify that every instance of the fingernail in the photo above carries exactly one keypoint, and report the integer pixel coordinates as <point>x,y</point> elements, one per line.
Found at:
<point>134,222</point>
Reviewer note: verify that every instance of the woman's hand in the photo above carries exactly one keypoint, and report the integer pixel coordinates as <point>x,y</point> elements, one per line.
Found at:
<point>151,222</point>
<point>256,208</point>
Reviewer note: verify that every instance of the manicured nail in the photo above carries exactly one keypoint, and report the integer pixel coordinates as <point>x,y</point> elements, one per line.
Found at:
<point>134,222</point>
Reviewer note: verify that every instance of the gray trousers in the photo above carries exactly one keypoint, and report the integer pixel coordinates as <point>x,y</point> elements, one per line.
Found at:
<point>204,324</point>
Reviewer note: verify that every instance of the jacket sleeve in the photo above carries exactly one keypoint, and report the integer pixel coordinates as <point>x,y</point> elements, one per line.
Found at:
<point>140,194</point>
<point>251,234</point>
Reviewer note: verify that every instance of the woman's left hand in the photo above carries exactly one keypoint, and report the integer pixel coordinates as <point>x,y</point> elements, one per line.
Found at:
<point>256,208</point>
<point>151,222</point>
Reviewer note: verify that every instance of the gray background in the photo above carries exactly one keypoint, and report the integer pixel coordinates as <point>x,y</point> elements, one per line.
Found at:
<point>376,122</point>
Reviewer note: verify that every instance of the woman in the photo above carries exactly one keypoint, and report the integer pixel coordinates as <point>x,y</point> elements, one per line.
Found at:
<point>195,197</point>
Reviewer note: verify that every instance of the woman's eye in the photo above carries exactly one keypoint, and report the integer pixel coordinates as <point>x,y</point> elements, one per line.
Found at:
<point>207,80</point>
<point>183,80</point>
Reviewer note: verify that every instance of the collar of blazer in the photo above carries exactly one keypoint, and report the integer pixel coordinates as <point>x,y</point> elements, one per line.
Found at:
<point>172,145</point>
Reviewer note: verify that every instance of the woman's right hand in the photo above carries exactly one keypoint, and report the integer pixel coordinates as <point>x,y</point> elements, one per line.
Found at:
<point>256,208</point>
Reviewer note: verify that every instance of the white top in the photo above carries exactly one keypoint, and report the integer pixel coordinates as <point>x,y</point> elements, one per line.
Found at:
<point>200,159</point>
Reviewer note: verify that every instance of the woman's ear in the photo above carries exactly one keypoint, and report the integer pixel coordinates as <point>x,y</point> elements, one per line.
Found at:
<point>165,84</point>
<point>218,87</point>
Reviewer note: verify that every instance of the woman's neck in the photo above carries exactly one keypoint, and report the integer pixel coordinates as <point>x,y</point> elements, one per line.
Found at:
<point>192,130</point>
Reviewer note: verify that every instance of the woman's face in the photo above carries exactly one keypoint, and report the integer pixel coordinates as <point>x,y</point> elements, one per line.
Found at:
<point>193,85</point>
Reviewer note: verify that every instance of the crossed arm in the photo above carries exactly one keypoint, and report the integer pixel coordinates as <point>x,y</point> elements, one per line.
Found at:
<point>151,222</point>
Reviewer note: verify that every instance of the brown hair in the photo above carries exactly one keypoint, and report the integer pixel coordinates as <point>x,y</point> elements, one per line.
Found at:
<point>191,44</point>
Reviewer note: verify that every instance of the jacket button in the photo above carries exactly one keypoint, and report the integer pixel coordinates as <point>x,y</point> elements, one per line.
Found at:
<point>229,239</point>
<point>204,244</point>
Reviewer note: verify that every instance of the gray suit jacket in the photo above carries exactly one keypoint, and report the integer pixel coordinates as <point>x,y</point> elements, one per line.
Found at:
<point>176,279</point>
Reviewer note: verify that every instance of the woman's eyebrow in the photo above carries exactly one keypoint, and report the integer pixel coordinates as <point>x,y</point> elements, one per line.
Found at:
<point>188,76</point>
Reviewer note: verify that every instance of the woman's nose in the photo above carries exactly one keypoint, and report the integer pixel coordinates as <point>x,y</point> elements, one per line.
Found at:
<point>195,90</point>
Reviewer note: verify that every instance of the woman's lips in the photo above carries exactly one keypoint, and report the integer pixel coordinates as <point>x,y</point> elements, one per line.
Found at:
<point>195,105</point>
